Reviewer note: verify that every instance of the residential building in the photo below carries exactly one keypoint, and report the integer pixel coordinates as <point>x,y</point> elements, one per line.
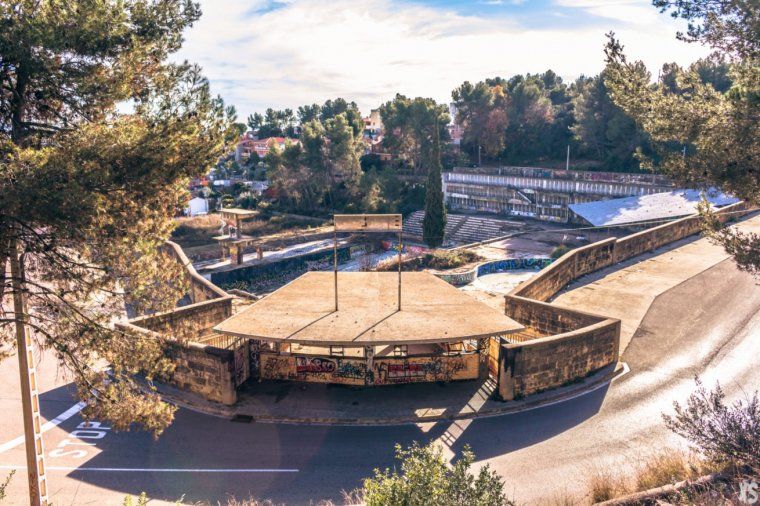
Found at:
<point>250,144</point>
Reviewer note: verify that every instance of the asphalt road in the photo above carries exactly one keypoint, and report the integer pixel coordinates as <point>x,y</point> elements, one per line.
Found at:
<point>707,326</point>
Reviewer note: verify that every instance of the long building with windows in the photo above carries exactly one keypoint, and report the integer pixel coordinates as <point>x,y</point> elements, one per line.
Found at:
<point>542,194</point>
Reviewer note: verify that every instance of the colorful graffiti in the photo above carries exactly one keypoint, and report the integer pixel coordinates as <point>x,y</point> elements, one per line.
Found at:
<point>306,365</point>
<point>436,369</point>
<point>406,248</point>
<point>510,264</point>
<point>356,371</point>
<point>467,277</point>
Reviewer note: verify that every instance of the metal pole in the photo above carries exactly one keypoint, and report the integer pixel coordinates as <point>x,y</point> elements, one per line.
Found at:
<point>567,164</point>
<point>30,402</point>
<point>400,237</point>
<point>335,264</point>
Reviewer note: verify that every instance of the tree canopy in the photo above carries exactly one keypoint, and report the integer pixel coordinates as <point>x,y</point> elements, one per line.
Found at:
<point>703,137</point>
<point>88,193</point>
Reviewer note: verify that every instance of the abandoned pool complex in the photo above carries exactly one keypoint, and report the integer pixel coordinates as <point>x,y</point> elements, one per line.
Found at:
<point>433,333</point>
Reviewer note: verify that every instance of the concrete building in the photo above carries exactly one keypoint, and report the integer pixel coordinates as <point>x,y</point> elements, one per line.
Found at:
<point>197,206</point>
<point>647,208</point>
<point>439,334</point>
<point>543,194</point>
<point>373,125</point>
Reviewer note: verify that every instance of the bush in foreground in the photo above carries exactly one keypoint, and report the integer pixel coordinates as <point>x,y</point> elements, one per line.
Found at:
<point>426,479</point>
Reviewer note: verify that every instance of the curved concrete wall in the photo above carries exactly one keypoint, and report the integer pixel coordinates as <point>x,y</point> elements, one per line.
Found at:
<point>200,288</point>
<point>204,370</point>
<point>577,343</point>
<point>490,267</point>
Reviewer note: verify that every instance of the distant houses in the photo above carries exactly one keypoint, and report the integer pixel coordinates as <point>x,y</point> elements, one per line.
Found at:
<point>249,144</point>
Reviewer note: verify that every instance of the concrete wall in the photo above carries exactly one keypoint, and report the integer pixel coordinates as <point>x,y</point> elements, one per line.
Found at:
<point>549,362</point>
<point>203,370</point>
<point>574,343</point>
<point>604,253</point>
<point>188,322</point>
<point>200,288</point>
<point>384,371</point>
<point>489,267</point>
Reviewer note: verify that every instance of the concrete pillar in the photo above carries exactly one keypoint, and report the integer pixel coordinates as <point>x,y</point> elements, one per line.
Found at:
<point>369,354</point>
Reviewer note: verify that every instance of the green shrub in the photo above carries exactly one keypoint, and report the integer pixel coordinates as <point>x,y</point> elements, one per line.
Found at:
<point>559,251</point>
<point>426,479</point>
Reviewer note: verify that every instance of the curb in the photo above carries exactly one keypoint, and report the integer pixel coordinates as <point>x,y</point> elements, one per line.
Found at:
<point>510,407</point>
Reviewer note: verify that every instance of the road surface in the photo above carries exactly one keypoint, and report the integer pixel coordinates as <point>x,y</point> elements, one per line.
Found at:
<point>707,325</point>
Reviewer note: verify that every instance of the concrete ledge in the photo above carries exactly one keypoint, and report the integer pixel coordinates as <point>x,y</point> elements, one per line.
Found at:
<point>264,413</point>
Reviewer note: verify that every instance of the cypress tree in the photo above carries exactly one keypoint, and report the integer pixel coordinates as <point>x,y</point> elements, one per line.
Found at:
<point>434,223</point>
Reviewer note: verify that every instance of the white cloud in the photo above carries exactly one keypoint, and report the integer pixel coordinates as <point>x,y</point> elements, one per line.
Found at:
<point>306,51</point>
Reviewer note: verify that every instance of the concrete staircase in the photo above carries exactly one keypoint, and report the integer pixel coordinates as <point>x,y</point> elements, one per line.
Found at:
<point>462,228</point>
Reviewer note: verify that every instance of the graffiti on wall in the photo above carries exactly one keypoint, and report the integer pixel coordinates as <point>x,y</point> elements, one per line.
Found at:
<point>434,369</point>
<point>241,363</point>
<point>356,371</point>
<point>513,264</point>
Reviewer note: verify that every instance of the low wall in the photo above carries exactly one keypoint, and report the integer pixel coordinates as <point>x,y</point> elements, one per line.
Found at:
<point>578,343</point>
<point>200,288</point>
<point>549,362</point>
<point>598,255</point>
<point>203,370</point>
<point>490,267</point>
<point>188,322</point>
<point>384,371</point>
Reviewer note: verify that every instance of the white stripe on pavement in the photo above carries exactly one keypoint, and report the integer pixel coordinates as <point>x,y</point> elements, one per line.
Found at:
<point>156,470</point>
<point>73,410</point>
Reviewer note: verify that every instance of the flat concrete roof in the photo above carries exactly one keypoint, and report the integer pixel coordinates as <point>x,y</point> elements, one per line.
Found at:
<point>432,311</point>
<point>656,206</point>
<point>238,212</point>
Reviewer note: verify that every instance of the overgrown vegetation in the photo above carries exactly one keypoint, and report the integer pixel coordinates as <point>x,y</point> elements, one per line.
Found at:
<point>724,439</point>
<point>439,260</point>
<point>200,230</point>
<point>4,484</point>
<point>426,479</point>
<point>559,251</point>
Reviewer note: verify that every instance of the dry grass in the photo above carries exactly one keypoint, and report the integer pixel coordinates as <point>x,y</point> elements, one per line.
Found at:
<point>196,230</point>
<point>199,230</point>
<point>604,484</point>
<point>655,470</point>
<point>439,260</point>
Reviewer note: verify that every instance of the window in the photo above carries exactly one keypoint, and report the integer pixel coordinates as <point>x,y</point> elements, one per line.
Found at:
<point>400,350</point>
<point>337,351</point>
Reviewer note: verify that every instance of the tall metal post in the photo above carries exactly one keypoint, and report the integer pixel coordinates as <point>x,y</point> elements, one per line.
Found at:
<point>400,245</point>
<point>335,263</point>
<point>30,402</point>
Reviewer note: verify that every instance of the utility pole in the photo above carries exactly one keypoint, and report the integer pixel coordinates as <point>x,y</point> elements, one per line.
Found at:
<point>478,156</point>
<point>30,401</point>
<point>567,163</point>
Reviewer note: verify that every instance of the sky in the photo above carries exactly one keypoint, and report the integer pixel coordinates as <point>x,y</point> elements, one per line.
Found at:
<point>285,53</point>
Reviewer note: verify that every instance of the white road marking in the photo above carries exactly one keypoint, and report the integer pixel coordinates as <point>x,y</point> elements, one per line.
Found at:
<point>156,470</point>
<point>73,410</point>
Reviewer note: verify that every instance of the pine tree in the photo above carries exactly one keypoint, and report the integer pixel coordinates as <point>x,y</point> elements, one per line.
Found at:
<point>87,193</point>
<point>434,223</point>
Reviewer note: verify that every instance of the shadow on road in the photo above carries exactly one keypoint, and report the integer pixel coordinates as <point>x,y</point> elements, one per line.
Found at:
<point>329,459</point>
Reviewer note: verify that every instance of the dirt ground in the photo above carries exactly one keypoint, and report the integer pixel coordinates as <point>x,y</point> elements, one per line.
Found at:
<point>491,288</point>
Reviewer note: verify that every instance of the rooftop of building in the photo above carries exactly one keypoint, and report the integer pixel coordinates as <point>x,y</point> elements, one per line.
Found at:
<point>432,311</point>
<point>656,206</point>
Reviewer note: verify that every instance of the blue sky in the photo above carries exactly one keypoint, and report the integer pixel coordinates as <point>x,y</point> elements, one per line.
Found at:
<point>284,53</point>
